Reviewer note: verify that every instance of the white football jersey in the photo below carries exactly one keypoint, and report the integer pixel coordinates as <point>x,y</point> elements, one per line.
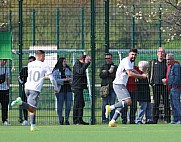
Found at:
<point>121,74</point>
<point>36,75</point>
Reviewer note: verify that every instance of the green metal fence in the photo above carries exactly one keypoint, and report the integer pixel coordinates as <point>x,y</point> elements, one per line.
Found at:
<point>93,26</point>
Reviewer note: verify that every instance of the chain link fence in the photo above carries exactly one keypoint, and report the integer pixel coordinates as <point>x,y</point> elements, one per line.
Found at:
<point>67,26</point>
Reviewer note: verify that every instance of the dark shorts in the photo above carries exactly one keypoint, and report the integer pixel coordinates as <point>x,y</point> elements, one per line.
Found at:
<point>32,97</point>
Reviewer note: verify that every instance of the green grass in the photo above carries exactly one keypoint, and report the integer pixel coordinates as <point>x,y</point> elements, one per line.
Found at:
<point>93,133</point>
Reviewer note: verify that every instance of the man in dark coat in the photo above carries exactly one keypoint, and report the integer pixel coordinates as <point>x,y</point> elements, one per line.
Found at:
<point>79,83</point>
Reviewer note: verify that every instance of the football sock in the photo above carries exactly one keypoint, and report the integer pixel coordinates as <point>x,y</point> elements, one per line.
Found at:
<point>32,119</point>
<point>117,114</point>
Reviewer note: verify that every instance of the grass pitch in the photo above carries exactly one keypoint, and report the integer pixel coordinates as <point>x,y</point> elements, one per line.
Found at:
<point>92,133</point>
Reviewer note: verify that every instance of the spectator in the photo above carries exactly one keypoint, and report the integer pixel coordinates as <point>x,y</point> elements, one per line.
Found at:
<point>4,90</point>
<point>157,73</point>
<point>173,81</point>
<point>133,91</point>
<point>22,78</point>
<point>36,74</point>
<point>144,97</point>
<point>125,69</point>
<point>107,75</point>
<point>79,83</point>
<point>63,76</point>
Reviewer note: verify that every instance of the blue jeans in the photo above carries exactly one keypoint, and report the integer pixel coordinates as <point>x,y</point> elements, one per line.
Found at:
<point>175,103</point>
<point>61,98</point>
<point>109,100</point>
<point>145,108</point>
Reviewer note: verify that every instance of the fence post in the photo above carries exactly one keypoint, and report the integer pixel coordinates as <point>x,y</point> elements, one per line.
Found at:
<point>20,49</point>
<point>82,27</point>
<point>10,20</point>
<point>133,28</point>
<point>93,60</point>
<point>33,29</point>
<point>106,26</point>
<point>159,26</point>
<point>58,28</point>
<point>11,61</point>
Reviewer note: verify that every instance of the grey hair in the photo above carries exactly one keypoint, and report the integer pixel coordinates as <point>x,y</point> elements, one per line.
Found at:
<point>161,48</point>
<point>171,55</point>
<point>142,64</point>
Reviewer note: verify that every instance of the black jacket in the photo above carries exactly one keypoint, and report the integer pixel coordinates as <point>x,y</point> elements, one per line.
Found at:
<point>106,77</point>
<point>143,90</point>
<point>79,75</point>
<point>157,71</point>
<point>23,75</point>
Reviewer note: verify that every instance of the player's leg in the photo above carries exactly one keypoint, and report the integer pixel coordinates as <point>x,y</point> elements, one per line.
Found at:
<point>32,99</point>
<point>124,100</point>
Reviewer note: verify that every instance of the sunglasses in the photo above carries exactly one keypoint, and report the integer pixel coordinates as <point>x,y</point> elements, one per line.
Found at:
<point>107,58</point>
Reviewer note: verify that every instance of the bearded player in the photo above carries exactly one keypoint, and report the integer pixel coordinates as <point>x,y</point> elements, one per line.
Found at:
<point>125,69</point>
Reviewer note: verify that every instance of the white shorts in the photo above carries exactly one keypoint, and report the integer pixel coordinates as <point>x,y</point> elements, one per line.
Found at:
<point>121,92</point>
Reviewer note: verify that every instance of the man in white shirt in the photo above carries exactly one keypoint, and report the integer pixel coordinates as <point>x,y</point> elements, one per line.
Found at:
<point>125,69</point>
<point>36,74</point>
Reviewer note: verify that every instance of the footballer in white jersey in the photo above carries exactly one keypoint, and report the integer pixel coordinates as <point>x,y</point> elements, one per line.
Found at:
<point>121,74</point>
<point>36,74</point>
<point>125,69</point>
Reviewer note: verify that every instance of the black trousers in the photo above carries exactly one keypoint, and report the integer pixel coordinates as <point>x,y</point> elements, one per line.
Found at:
<point>158,91</point>
<point>78,107</point>
<point>4,100</point>
<point>24,99</point>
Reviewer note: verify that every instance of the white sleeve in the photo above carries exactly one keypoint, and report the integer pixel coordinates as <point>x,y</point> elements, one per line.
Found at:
<point>52,79</point>
<point>48,70</point>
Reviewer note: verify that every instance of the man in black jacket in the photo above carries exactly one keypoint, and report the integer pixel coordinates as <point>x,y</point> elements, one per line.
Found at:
<point>107,75</point>
<point>78,84</point>
<point>157,73</point>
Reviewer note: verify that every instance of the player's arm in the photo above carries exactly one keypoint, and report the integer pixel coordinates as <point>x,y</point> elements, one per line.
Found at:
<point>133,73</point>
<point>53,81</point>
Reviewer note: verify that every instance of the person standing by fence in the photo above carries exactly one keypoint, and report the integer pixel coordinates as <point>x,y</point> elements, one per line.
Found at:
<point>79,83</point>
<point>144,98</point>
<point>63,76</point>
<point>158,69</point>
<point>173,81</point>
<point>107,75</point>
<point>4,90</point>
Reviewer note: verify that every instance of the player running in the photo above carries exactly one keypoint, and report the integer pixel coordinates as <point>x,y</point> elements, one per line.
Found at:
<point>125,69</point>
<point>36,74</point>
